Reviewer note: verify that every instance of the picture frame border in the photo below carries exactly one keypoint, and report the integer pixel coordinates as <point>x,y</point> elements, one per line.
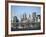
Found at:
<point>6,17</point>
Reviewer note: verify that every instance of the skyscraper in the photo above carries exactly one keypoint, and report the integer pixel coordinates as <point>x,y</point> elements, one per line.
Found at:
<point>38,16</point>
<point>24,17</point>
<point>15,21</point>
<point>34,16</point>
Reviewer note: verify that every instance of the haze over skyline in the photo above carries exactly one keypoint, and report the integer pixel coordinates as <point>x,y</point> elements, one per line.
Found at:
<point>20,10</point>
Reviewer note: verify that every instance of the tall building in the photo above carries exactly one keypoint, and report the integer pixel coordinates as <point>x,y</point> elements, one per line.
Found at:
<point>34,17</point>
<point>29,18</point>
<point>38,16</point>
<point>24,17</point>
<point>15,21</point>
<point>34,14</point>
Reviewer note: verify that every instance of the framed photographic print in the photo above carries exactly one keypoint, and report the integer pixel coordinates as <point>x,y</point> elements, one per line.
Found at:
<point>25,18</point>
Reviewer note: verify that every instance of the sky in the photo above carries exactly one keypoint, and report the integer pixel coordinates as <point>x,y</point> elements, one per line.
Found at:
<point>19,10</point>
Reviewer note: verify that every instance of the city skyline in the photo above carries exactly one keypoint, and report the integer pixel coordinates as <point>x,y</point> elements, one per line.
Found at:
<point>20,10</point>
